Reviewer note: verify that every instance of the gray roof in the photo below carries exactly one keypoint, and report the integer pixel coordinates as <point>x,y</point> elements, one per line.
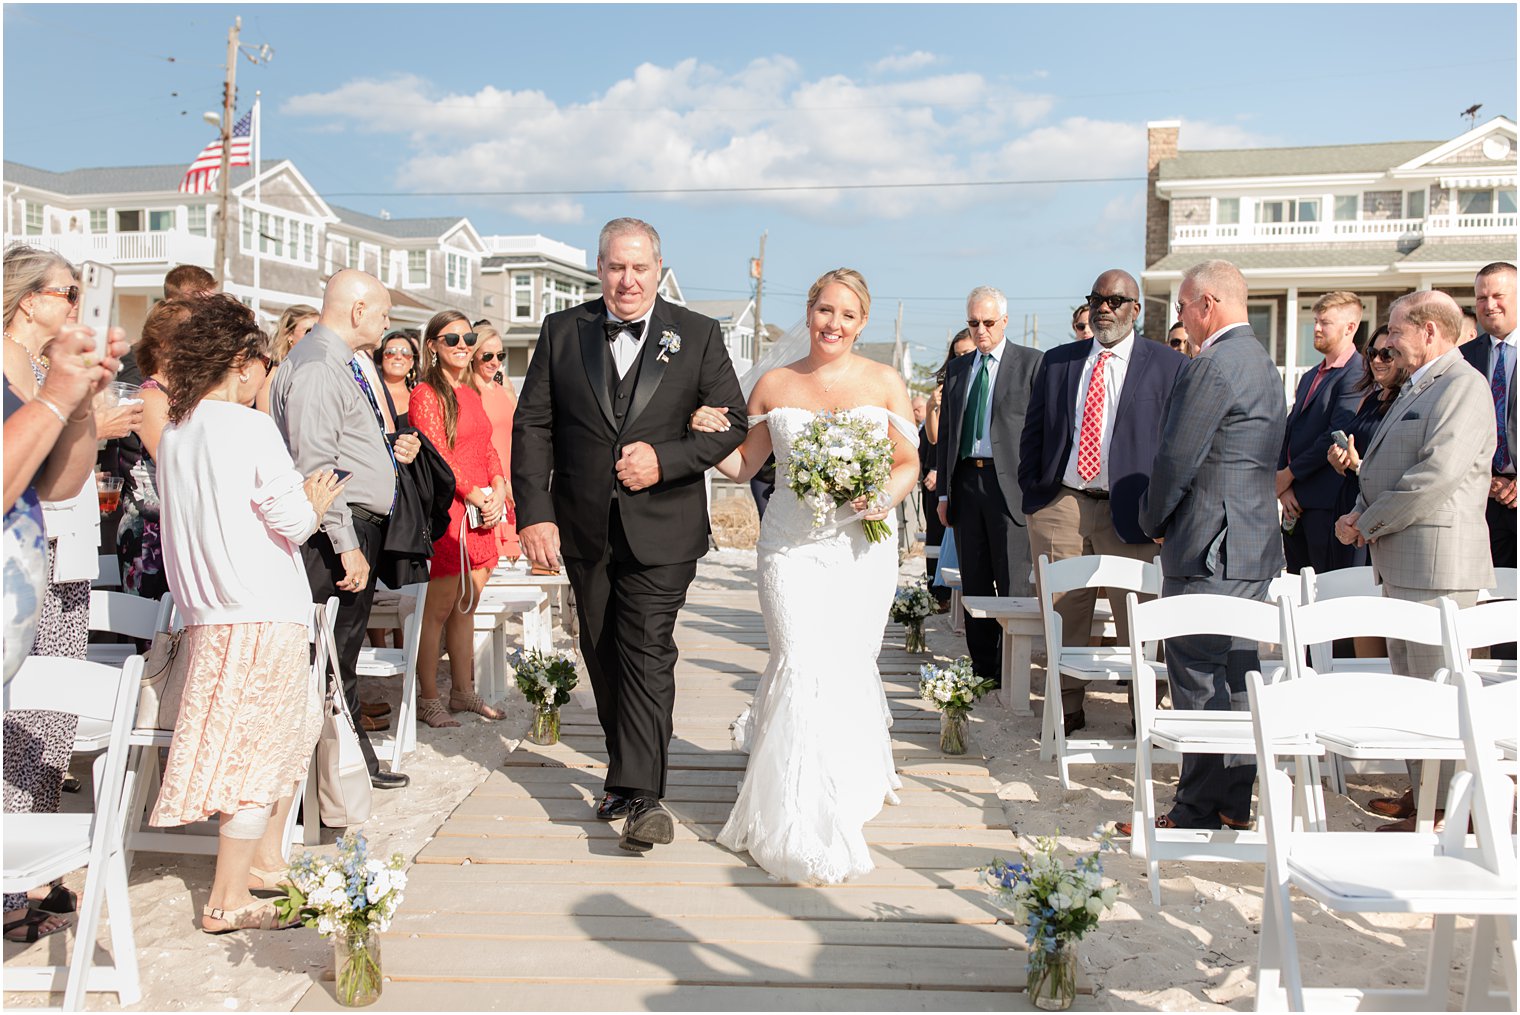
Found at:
<point>1480,251</point>
<point>720,310</point>
<point>1349,158</point>
<point>401,229</point>
<point>110,179</point>
<point>879,352</point>
<point>509,260</point>
<point>1352,255</point>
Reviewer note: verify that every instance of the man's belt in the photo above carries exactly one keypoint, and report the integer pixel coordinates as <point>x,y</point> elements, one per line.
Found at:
<point>365,515</point>
<point>1090,493</point>
<point>979,463</point>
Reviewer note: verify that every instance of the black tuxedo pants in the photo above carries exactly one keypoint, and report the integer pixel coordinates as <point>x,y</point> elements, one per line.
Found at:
<point>993,552</point>
<point>1501,543</point>
<point>627,613</point>
<point>323,572</point>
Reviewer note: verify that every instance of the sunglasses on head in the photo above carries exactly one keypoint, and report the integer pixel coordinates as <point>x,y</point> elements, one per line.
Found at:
<point>453,340</point>
<point>492,357</point>
<point>68,292</point>
<point>1385,354</point>
<point>1113,302</point>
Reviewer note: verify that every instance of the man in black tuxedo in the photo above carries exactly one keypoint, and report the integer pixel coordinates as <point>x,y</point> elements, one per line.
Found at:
<point>609,476</point>
<point>986,393</point>
<point>1090,436</point>
<point>1495,299</point>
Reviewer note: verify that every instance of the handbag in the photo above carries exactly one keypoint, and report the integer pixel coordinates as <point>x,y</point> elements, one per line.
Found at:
<point>165,670</point>
<point>344,794</point>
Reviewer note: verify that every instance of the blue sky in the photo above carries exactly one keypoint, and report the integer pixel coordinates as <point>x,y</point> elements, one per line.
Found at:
<point>377,104</point>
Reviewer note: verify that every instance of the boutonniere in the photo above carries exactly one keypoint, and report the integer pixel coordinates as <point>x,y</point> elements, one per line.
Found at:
<point>670,344</point>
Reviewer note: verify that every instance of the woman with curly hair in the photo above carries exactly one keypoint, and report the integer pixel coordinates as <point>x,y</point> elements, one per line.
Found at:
<point>234,513</point>
<point>447,409</point>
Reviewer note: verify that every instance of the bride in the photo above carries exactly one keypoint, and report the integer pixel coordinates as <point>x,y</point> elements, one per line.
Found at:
<point>820,757</point>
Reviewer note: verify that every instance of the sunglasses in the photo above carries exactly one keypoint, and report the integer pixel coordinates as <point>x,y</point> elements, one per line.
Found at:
<point>1385,354</point>
<point>1182,304</point>
<point>451,341</point>
<point>492,357</point>
<point>68,292</point>
<point>1114,302</point>
<point>268,363</point>
<point>1175,343</point>
<point>398,354</point>
<point>989,325</point>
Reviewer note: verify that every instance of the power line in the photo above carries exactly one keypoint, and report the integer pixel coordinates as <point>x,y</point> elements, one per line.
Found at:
<point>780,188</point>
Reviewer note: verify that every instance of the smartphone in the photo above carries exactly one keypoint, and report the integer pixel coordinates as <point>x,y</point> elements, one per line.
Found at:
<point>1341,440</point>
<point>97,285</point>
<point>341,474</point>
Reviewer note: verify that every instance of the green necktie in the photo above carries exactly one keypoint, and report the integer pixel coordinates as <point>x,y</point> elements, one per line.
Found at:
<point>973,423</point>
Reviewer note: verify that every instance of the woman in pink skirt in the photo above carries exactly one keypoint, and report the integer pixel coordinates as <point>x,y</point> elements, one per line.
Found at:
<point>234,513</point>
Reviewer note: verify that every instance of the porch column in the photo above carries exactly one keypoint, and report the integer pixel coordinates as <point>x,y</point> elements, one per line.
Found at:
<point>1290,350</point>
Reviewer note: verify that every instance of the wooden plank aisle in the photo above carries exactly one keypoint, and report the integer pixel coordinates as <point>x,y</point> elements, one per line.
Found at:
<point>523,900</point>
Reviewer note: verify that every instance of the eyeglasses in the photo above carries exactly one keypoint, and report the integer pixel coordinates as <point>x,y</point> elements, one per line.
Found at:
<point>68,292</point>
<point>1113,302</point>
<point>451,341</point>
<point>1182,304</point>
<point>492,357</point>
<point>1385,354</point>
<point>989,325</point>
<point>398,354</point>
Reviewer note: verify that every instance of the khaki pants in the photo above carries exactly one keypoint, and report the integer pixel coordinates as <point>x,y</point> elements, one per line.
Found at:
<point>1075,525</point>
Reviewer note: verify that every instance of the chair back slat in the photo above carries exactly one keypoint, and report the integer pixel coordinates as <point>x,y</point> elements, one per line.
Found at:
<point>1489,623</point>
<point>1318,623</point>
<point>124,613</point>
<point>1347,581</point>
<point>1504,586</point>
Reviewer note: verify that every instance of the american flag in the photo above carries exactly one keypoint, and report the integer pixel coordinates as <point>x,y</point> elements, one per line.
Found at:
<point>200,178</point>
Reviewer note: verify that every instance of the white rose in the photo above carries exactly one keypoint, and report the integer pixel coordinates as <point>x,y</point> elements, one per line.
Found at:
<point>334,880</point>
<point>1095,905</point>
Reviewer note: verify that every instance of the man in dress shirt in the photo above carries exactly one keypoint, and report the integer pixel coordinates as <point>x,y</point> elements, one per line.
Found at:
<point>1090,436</point>
<point>1326,401</point>
<point>329,414</point>
<point>1495,290</point>
<point>986,394</point>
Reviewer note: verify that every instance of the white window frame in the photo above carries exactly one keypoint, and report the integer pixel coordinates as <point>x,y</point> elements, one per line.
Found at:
<point>100,220</point>
<point>427,270</point>
<point>519,287</point>
<point>1356,211</point>
<point>32,219</point>
<point>1423,193</point>
<point>278,234</point>
<point>1219,218</point>
<point>1271,336</point>
<point>142,220</point>
<point>194,212</point>
<point>456,271</point>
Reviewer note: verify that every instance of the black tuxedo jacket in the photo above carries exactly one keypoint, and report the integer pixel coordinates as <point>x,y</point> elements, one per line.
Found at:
<point>566,440</point>
<point>1316,485</point>
<point>1047,446</point>
<point>1010,398</point>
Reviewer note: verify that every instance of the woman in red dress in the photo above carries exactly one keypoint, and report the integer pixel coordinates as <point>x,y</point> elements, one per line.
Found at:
<point>446,408</point>
<point>490,363</point>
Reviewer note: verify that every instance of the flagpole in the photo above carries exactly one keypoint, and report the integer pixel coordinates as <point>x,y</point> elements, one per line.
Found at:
<point>258,154</point>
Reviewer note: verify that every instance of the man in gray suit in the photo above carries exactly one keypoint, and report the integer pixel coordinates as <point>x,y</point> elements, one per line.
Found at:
<point>1424,486</point>
<point>986,393</point>
<point>1212,504</point>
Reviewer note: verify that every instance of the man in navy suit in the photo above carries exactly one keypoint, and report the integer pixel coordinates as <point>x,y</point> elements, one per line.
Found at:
<point>1495,298</point>
<point>1090,435</point>
<point>1326,401</point>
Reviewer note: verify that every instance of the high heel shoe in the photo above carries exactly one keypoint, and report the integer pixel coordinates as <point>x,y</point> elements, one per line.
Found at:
<point>473,702</point>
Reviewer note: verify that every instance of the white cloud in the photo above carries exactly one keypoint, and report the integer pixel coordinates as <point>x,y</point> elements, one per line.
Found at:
<point>898,62</point>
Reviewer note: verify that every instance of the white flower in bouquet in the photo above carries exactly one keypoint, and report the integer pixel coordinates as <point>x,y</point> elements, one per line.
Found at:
<point>1056,904</point>
<point>545,678</point>
<point>952,688</point>
<point>838,458</point>
<point>350,891</point>
<point>912,602</point>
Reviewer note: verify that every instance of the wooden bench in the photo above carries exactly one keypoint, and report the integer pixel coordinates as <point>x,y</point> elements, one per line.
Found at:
<point>1020,619</point>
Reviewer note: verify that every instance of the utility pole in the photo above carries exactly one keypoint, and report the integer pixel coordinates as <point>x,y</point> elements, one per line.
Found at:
<point>897,345</point>
<point>229,99</point>
<point>1036,334</point>
<point>757,272</point>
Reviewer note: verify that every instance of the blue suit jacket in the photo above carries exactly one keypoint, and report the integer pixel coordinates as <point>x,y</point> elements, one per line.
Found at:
<point>1333,407</point>
<point>1046,444</point>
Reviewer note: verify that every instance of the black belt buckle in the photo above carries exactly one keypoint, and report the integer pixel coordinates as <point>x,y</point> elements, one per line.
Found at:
<point>1094,494</point>
<point>367,516</point>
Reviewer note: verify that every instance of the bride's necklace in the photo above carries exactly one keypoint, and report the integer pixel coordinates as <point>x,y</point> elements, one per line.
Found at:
<point>830,386</point>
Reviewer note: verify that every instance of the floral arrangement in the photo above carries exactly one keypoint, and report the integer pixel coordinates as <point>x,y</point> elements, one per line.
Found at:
<point>545,679</point>
<point>1056,904</point>
<point>352,896</point>
<point>953,688</point>
<point>912,603</point>
<point>836,459</point>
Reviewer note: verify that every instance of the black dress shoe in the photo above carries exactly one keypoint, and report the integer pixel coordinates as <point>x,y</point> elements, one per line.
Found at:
<point>389,780</point>
<point>613,805</point>
<point>648,823</point>
<point>1075,721</point>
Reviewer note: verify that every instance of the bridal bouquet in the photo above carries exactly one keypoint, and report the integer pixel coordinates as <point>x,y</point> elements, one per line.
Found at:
<point>953,690</point>
<point>910,606</point>
<point>837,458</point>
<point>351,899</point>
<point>546,681</point>
<point>1057,905</point>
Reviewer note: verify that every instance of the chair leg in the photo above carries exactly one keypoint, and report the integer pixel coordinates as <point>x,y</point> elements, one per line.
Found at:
<point>1438,968</point>
<point>1053,723</point>
<point>1337,775</point>
<point>1425,796</point>
<point>311,828</point>
<point>123,937</point>
<point>86,924</point>
<point>291,837</point>
<point>1279,986</point>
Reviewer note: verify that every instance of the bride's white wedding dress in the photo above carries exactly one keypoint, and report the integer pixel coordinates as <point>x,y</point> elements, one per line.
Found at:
<point>820,755</point>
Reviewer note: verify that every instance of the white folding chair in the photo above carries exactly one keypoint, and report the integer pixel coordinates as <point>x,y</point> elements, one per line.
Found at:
<point>1504,586</point>
<point>1489,623</point>
<point>143,773</point>
<point>402,662</point>
<point>1166,735</point>
<point>1347,583</point>
<point>1315,625</point>
<point>124,614</point>
<point>42,847</point>
<point>1361,872</point>
<point>1085,662</point>
<point>109,576</point>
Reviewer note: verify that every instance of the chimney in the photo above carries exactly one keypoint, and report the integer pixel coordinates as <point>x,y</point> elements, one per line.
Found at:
<point>1161,144</point>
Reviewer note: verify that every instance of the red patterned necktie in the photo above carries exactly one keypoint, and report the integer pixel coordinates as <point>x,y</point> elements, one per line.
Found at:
<point>1090,447</point>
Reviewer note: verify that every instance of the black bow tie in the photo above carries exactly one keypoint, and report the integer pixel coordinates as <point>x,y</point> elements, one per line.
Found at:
<point>615,328</point>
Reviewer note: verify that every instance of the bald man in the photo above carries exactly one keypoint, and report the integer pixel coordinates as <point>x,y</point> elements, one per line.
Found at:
<point>327,410</point>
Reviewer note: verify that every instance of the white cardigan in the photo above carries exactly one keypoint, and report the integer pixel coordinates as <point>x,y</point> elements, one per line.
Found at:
<point>234,515</point>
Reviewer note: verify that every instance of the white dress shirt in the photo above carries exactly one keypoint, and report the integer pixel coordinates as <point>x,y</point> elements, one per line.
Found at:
<point>1114,370</point>
<point>625,348</point>
<point>983,447</point>
<point>1215,336</point>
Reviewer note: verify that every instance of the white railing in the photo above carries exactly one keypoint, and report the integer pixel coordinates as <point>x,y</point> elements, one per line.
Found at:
<point>127,248</point>
<point>1470,225</point>
<point>1305,232</point>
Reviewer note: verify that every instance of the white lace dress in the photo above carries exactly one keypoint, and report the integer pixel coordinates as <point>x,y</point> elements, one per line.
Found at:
<point>820,755</point>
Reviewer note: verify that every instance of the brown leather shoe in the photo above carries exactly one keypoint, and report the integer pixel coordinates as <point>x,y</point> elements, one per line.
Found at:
<point>1126,829</point>
<point>1408,824</point>
<point>374,709</point>
<point>372,725</point>
<point>1393,806</point>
